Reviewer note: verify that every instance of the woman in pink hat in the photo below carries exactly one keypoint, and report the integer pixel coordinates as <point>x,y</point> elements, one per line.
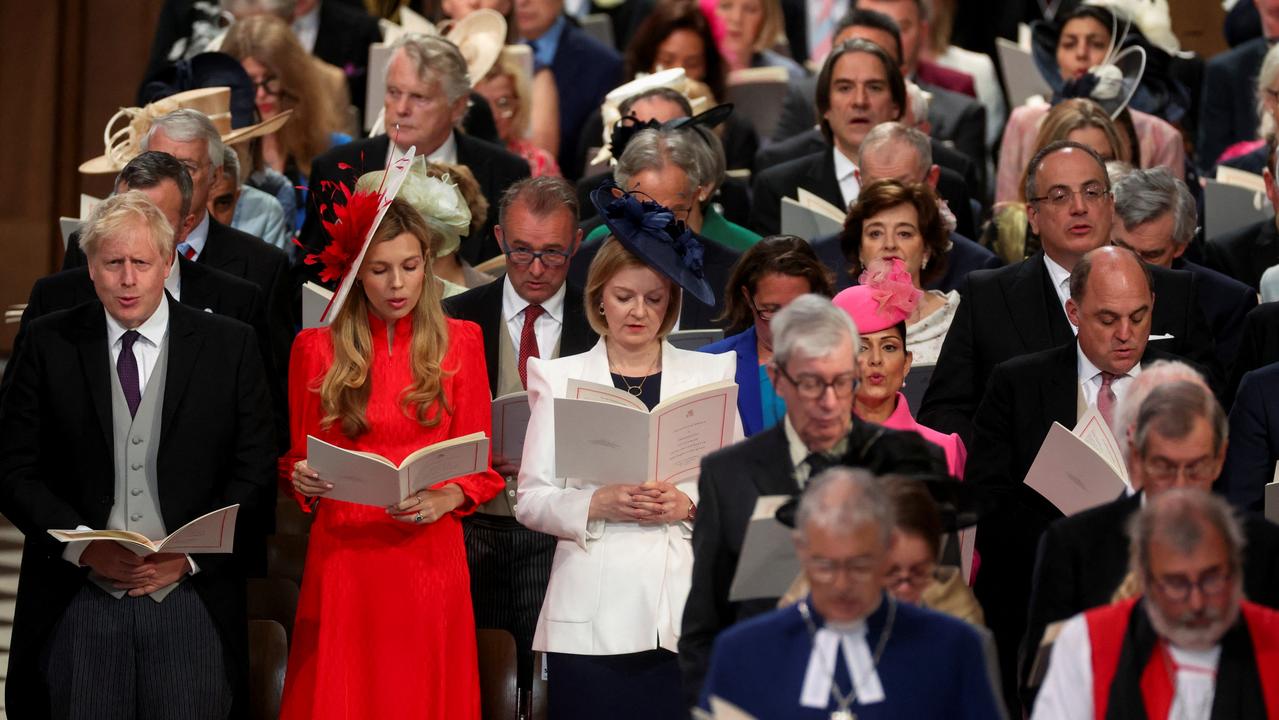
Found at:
<point>879,307</point>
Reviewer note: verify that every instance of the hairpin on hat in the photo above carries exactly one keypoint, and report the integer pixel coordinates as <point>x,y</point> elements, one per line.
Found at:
<point>651,232</point>
<point>352,231</point>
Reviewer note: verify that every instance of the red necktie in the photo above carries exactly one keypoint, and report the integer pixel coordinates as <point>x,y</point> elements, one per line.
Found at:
<point>528,341</point>
<point>187,251</point>
<point>1106,398</point>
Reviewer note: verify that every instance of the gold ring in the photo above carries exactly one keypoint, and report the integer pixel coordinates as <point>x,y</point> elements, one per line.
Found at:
<point>418,516</point>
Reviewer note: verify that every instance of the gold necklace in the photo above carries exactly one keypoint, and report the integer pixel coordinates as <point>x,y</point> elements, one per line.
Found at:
<point>635,390</point>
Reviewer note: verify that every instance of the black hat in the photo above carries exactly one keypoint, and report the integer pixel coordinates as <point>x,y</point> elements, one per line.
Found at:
<point>961,504</point>
<point>651,233</point>
<point>209,69</point>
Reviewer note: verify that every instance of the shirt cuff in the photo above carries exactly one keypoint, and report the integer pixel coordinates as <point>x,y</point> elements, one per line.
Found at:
<point>194,568</point>
<point>74,549</point>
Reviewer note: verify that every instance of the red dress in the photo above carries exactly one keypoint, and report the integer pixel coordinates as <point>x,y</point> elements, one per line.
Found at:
<point>384,626</point>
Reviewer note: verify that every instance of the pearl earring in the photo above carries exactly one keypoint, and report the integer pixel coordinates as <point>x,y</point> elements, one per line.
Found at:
<point>601,308</point>
<point>924,265</point>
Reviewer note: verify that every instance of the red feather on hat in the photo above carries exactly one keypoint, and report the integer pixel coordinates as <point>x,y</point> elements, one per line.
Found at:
<point>347,232</point>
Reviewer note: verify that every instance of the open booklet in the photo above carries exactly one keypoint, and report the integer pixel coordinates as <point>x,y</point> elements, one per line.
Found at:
<point>370,479</point>
<point>315,298</point>
<point>810,217</point>
<point>1272,498</point>
<point>608,436</point>
<point>768,564</point>
<point>207,534</point>
<point>510,424</point>
<point>1079,470</point>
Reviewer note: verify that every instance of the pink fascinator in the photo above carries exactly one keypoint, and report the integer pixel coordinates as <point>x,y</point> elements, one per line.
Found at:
<point>885,297</point>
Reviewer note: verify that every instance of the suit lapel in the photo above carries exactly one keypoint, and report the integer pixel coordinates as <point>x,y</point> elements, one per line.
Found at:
<point>216,254</point>
<point>825,183</point>
<point>577,334</point>
<point>1062,389</point>
<point>184,348</point>
<point>194,289</point>
<point>94,358</point>
<point>492,329</point>
<point>1028,305</point>
<point>773,474</point>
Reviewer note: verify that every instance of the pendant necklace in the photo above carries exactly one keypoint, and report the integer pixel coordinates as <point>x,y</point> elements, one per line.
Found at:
<point>636,390</point>
<point>844,700</point>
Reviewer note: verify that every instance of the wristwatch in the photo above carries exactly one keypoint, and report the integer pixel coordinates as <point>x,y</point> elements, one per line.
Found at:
<point>692,511</point>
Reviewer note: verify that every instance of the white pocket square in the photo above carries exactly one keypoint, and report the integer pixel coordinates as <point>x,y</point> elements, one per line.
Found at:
<point>1167,336</point>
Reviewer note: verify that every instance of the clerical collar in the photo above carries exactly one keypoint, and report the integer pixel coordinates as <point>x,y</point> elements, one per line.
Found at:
<point>822,683</point>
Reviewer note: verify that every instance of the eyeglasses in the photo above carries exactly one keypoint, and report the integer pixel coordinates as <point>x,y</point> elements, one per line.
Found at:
<point>1178,587</point>
<point>523,257</point>
<point>765,313</point>
<point>271,86</point>
<point>824,570</point>
<point>1165,471</point>
<point>1060,197</point>
<point>505,107</point>
<point>915,576</point>
<point>811,387</point>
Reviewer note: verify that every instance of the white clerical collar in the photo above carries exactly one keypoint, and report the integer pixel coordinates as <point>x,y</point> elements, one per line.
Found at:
<point>152,329</point>
<point>198,236</point>
<point>819,676</point>
<point>445,153</point>
<point>173,283</point>
<point>307,28</point>
<point>513,304</point>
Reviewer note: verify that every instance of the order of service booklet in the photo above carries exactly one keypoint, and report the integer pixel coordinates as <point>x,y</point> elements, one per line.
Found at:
<point>608,436</point>
<point>510,424</point>
<point>210,533</point>
<point>1079,470</point>
<point>370,479</point>
<point>768,564</point>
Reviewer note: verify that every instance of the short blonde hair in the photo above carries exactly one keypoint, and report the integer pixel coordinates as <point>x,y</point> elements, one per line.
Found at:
<point>771,27</point>
<point>609,261</point>
<point>122,212</point>
<point>507,66</point>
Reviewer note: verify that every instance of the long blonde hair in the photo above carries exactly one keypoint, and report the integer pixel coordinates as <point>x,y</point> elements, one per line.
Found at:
<point>270,41</point>
<point>344,389</point>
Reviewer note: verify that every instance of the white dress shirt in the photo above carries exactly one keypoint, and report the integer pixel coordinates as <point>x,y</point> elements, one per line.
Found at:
<point>307,28</point>
<point>445,153</point>
<point>173,283</point>
<point>846,174</point>
<point>1060,278</point>
<point>1090,379</point>
<point>1067,693</point>
<point>548,325</point>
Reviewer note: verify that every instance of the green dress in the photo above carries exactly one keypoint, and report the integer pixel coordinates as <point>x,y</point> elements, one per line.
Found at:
<point>714,227</point>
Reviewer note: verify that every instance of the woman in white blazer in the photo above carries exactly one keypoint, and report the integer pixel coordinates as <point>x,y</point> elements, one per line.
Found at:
<point>610,621</point>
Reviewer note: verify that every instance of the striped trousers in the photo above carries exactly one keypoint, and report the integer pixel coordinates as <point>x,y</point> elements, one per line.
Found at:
<point>510,566</point>
<point>109,659</point>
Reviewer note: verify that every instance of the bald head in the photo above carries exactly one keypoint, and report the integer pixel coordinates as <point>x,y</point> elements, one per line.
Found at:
<point>1111,302</point>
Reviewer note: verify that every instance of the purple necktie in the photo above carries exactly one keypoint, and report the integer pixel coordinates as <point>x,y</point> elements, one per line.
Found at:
<point>126,366</point>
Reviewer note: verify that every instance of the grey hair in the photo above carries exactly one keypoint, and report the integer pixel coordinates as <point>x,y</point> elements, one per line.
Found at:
<point>920,102</point>
<point>890,133</point>
<point>152,168</point>
<point>1179,517</point>
<point>187,125</point>
<point>1157,374</point>
<point>1171,410</point>
<point>231,166</point>
<point>435,58</point>
<point>1117,170</point>
<point>695,150</point>
<point>282,9</point>
<point>811,325</point>
<point>842,499</point>
<point>1265,78</point>
<point>1145,195</point>
<point>1032,168</point>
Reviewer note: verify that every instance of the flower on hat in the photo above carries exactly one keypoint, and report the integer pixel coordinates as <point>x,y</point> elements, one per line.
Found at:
<point>437,199</point>
<point>891,287</point>
<point>633,216</point>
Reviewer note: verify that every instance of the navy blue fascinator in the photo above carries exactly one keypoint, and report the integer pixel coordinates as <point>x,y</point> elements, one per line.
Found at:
<point>652,233</point>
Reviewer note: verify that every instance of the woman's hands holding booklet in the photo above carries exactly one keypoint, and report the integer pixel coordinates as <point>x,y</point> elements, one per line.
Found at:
<point>427,506</point>
<point>307,482</point>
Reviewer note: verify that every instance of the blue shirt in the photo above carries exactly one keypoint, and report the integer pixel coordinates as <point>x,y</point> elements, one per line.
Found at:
<point>545,47</point>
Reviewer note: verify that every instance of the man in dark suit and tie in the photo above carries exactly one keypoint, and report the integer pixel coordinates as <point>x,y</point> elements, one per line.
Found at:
<point>1155,217</point>
<point>1178,440</point>
<point>530,312</point>
<point>893,151</point>
<point>858,87</point>
<point>1111,304</point>
<point>1020,309</point>
<point>1228,103</point>
<point>1258,344</point>
<point>166,182</point>
<point>135,413</point>
<point>190,136</point>
<point>584,68</point>
<point>814,369</point>
<point>426,97</point>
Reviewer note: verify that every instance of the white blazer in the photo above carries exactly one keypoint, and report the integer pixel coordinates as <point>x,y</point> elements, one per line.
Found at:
<point>615,588</point>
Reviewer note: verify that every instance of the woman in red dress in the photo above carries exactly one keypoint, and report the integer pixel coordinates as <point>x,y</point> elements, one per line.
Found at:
<point>384,626</point>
